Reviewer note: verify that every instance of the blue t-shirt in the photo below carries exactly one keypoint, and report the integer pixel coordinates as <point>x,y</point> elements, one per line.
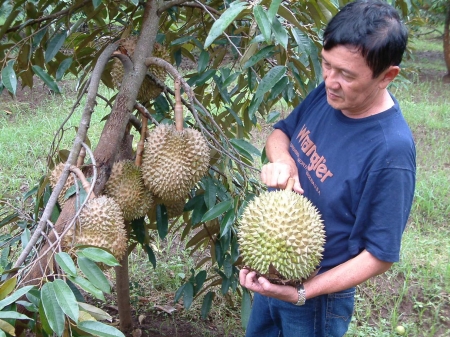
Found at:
<point>359,173</point>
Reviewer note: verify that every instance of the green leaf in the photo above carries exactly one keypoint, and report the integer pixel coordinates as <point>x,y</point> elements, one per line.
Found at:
<point>54,45</point>
<point>100,329</point>
<point>6,327</point>
<point>207,303</point>
<point>13,315</point>
<point>9,78</point>
<point>203,61</point>
<point>88,287</point>
<point>269,80</point>
<point>246,307</point>
<point>95,312</point>
<point>46,78</point>
<point>217,210</point>
<point>99,255</point>
<point>273,9</point>
<point>44,320</point>
<point>94,274</point>
<point>278,88</point>
<point>66,299</point>
<point>53,312</point>
<point>7,287</point>
<point>262,54</point>
<point>273,117</point>
<point>97,3</point>
<point>63,67</point>
<point>15,296</point>
<point>162,221</point>
<point>243,144</point>
<point>66,263</point>
<point>263,22</point>
<point>280,33</point>
<point>150,254</point>
<point>199,280</point>
<point>188,295</point>
<point>210,192</point>
<point>224,21</point>
<point>227,266</point>
<point>227,221</point>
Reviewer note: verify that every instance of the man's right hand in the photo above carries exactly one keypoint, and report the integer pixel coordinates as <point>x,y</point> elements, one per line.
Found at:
<point>277,174</point>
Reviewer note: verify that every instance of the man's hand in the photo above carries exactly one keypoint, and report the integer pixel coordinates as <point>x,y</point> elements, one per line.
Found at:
<point>277,174</point>
<point>251,281</point>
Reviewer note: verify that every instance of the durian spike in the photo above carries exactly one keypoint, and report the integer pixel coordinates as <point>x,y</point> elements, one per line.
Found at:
<point>140,146</point>
<point>86,185</point>
<point>81,156</point>
<point>290,184</point>
<point>178,106</point>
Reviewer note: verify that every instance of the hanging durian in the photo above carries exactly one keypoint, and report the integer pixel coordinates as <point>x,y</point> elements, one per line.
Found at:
<point>174,158</point>
<point>126,187</point>
<point>281,236</point>
<point>148,90</point>
<point>174,208</point>
<point>100,224</point>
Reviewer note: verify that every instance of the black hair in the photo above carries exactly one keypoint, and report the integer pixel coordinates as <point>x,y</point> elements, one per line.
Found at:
<point>372,26</point>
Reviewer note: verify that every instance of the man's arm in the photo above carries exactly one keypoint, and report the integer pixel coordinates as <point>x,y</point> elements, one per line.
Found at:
<point>282,166</point>
<point>349,274</point>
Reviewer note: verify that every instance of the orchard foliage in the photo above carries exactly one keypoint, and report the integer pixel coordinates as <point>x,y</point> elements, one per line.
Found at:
<point>247,59</point>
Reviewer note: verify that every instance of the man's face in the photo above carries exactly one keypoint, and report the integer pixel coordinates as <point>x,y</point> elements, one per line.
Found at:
<point>349,83</point>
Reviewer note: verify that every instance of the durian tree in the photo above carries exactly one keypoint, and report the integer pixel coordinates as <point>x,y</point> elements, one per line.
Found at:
<point>248,59</point>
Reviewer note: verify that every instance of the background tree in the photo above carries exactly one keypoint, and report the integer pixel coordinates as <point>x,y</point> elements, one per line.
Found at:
<point>247,58</point>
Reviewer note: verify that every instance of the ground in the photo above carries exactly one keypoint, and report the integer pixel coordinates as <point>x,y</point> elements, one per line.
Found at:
<point>169,319</point>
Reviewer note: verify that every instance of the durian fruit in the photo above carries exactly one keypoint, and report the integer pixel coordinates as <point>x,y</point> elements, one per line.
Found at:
<point>100,224</point>
<point>148,90</point>
<point>174,161</point>
<point>126,187</point>
<point>174,208</point>
<point>281,236</point>
<point>174,158</point>
<point>55,174</point>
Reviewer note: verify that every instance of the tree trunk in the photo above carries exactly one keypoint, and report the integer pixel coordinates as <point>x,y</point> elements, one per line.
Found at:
<point>123,295</point>
<point>446,78</point>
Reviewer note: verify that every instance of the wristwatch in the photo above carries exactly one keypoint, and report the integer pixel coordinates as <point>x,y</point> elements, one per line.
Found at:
<point>301,295</point>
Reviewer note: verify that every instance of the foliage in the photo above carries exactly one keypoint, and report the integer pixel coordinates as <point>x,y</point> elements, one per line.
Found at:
<point>247,56</point>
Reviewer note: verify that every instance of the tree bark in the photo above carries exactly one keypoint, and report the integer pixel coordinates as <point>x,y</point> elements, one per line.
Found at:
<point>446,78</point>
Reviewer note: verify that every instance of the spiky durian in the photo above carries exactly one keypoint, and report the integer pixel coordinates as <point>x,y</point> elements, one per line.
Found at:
<point>55,174</point>
<point>173,208</point>
<point>100,224</point>
<point>126,187</point>
<point>174,161</point>
<point>148,90</point>
<point>281,235</point>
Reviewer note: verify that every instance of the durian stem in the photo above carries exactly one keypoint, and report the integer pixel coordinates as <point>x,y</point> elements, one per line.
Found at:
<point>86,185</point>
<point>290,184</point>
<point>178,106</point>
<point>140,146</point>
<point>81,156</point>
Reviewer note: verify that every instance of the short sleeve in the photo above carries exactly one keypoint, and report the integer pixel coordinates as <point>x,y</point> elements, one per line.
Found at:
<point>382,213</point>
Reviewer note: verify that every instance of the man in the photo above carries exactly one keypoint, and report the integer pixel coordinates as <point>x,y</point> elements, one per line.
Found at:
<point>352,154</point>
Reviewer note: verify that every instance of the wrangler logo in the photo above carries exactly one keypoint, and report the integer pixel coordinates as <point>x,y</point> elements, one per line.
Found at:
<point>316,161</point>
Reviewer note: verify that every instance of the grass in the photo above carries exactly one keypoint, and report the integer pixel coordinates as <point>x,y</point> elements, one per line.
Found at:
<point>415,293</point>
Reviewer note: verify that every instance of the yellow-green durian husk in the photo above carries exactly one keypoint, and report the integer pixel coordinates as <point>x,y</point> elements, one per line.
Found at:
<point>174,161</point>
<point>148,90</point>
<point>100,224</point>
<point>55,174</point>
<point>126,187</point>
<point>281,230</point>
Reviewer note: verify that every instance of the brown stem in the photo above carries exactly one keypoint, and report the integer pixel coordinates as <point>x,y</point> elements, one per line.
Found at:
<point>81,156</point>
<point>178,106</point>
<point>140,146</point>
<point>86,185</point>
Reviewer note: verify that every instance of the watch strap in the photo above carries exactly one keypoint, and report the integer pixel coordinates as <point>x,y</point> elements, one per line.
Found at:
<point>301,295</point>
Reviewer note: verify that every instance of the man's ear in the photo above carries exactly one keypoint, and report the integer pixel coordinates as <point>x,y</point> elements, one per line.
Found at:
<point>388,76</point>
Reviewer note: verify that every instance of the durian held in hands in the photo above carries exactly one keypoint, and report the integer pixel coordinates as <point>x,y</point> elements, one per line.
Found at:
<point>174,158</point>
<point>281,236</point>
